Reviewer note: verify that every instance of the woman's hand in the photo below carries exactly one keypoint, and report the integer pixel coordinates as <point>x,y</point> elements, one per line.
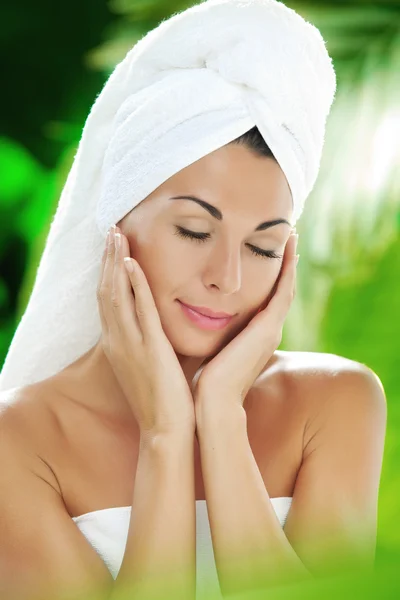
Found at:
<point>137,348</point>
<point>228,377</point>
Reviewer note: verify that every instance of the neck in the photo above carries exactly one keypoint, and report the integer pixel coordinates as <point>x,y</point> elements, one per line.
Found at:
<point>91,380</point>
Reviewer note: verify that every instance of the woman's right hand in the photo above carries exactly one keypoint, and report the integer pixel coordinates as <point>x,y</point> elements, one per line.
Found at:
<point>137,348</point>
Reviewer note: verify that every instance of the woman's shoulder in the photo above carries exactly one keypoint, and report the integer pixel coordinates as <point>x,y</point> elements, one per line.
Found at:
<point>20,403</point>
<point>26,412</point>
<point>300,373</point>
<point>13,402</point>
<point>323,364</point>
<point>306,375</point>
<point>27,425</point>
<point>296,386</point>
<point>316,366</point>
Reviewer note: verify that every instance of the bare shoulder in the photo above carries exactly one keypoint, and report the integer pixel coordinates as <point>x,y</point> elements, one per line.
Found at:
<point>300,383</point>
<point>292,401</point>
<point>316,363</point>
<point>323,381</point>
<point>336,486</point>
<point>41,551</point>
<point>25,419</point>
<point>313,371</point>
<point>26,408</point>
<point>12,409</point>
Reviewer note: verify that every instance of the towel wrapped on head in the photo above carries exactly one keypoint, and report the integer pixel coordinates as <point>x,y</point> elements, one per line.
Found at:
<point>196,82</point>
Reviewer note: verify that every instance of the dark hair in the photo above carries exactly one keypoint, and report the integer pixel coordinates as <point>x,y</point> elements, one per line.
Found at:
<point>254,141</point>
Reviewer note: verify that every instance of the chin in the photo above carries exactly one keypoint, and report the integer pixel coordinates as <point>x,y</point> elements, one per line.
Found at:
<point>187,340</point>
<point>188,345</point>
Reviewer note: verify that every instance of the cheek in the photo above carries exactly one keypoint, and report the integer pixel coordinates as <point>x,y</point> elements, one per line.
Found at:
<point>259,284</point>
<point>167,271</point>
<point>261,289</point>
<point>273,284</point>
<point>181,261</point>
<point>165,260</point>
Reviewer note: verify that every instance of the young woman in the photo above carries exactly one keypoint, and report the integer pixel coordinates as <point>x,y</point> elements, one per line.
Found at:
<point>182,453</point>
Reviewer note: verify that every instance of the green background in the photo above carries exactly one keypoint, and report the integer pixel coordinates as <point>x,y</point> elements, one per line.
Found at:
<point>55,60</point>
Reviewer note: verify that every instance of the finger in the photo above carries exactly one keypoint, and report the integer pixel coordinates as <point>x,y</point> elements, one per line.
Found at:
<point>106,289</point>
<point>100,289</point>
<point>275,313</point>
<point>283,297</point>
<point>293,267</point>
<point>123,298</point>
<point>146,309</point>
<point>279,277</point>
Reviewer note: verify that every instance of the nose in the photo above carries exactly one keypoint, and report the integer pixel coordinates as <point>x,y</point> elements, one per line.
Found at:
<point>224,269</point>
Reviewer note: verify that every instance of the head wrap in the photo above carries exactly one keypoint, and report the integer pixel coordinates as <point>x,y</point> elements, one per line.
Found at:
<point>196,82</point>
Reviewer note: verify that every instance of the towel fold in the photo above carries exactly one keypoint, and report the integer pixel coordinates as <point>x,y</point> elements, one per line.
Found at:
<point>193,84</point>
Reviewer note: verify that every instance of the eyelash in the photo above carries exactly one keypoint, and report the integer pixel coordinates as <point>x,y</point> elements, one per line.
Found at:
<point>202,237</point>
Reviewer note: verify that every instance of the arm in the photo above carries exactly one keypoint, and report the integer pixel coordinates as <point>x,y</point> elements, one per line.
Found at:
<point>249,544</point>
<point>331,525</point>
<point>159,559</point>
<point>44,555</point>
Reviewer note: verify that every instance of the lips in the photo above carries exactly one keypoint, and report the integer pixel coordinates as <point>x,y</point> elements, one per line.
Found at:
<point>203,321</point>
<point>207,312</point>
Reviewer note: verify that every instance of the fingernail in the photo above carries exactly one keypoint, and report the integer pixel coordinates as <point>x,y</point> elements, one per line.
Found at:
<point>118,240</point>
<point>128,264</point>
<point>297,258</point>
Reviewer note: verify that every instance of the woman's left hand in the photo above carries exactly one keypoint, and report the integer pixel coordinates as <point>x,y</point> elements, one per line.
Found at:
<point>228,377</point>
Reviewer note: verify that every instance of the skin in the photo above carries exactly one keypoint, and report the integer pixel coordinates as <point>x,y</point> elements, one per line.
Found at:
<point>221,273</point>
<point>311,411</point>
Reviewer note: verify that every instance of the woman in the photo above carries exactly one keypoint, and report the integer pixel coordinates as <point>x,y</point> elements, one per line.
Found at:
<point>133,406</point>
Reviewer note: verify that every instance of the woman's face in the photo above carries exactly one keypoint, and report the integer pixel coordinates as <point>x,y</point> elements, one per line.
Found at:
<point>222,272</point>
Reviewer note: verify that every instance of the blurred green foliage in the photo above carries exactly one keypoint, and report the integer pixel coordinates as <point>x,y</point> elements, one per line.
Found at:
<point>348,292</point>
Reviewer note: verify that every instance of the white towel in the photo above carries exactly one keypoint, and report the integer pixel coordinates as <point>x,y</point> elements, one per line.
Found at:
<point>191,85</point>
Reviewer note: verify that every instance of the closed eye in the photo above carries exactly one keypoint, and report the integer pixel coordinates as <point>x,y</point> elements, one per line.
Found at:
<point>202,237</point>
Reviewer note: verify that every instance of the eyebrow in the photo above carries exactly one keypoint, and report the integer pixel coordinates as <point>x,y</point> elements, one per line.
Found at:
<point>215,212</point>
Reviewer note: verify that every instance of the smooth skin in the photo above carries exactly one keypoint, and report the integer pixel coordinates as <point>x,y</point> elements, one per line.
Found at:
<point>221,273</point>
<point>316,423</point>
<point>146,366</point>
<point>141,356</point>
